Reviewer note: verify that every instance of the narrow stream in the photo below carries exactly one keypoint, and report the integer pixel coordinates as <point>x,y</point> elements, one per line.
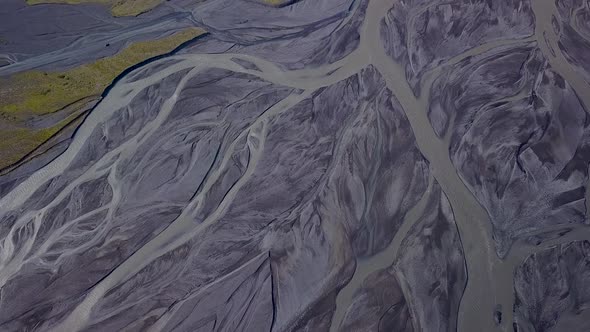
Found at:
<point>384,259</point>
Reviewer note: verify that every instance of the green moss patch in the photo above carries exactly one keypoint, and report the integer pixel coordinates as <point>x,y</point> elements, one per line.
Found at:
<point>36,93</point>
<point>118,7</point>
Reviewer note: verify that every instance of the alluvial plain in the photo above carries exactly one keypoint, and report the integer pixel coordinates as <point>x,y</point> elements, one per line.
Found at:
<point>336,165</point>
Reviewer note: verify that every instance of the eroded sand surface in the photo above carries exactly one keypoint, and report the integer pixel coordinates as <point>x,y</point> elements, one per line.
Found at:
<point>337,165</point>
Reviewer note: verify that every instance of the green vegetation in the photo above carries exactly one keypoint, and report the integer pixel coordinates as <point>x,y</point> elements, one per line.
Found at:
<point>118,7</point>
<point>36,93</point>
<point>18,142</point>
<point>40,92</point>
<point>275,3</point>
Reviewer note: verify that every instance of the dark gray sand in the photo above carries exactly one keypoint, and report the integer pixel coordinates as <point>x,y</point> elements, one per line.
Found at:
<point>553,289</point>
<point>338,165</point>
<point>421,290</point>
